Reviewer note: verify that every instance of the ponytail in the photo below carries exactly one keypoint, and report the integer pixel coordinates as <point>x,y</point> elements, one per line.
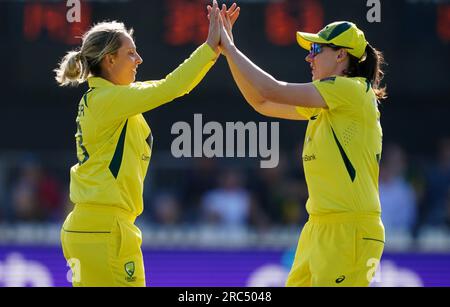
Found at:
<point>72,70</point>
<point>371,68</point>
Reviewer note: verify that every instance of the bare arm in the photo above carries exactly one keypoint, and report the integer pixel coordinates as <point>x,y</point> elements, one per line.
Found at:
<point>260,88</point>
<point>261,105</point>
<point>294,94</point>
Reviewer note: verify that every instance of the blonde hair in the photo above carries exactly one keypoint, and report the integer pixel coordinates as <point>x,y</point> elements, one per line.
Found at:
<point>102,39</point>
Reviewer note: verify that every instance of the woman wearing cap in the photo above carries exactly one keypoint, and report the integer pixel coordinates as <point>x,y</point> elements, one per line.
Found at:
<point>99,239</point>
<point>343,240</point>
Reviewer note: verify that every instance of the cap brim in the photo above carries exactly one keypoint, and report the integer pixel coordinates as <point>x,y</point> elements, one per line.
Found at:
<point>305,40</point>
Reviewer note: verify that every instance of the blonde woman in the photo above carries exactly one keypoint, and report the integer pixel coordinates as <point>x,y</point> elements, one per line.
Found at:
<point>114,145</point>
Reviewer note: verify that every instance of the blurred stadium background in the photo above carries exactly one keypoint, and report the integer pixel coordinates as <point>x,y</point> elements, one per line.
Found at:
<point>223,221</point>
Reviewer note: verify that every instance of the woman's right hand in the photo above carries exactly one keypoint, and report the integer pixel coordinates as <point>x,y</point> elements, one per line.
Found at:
<point>213,39</point>
<point>226,35</point>
<point>232,13</point>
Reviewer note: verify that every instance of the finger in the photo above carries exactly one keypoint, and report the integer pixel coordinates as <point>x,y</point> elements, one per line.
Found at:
<point>209,9</point>
<point>229,20</point>
<point>220,22</point>
<point>215,5</point>
<point>210,13</point>
<point>217,15</point>
<point>224,17</point>
<point>235,16</point>
<point>235,12</point>
<point>232,8</point>
<point>223,12</point>
<point>214,17</point>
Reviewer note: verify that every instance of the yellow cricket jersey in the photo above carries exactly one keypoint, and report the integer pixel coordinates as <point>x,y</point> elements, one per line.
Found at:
<point>114,142</point>
<point>342,148</point>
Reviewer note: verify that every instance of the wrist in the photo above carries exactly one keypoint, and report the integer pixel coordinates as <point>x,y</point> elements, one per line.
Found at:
<point>214,47</point>
<point>226,51</point>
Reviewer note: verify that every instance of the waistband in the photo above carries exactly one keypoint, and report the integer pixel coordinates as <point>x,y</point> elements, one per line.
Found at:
<point>105,210</point>
<point>344,217</point>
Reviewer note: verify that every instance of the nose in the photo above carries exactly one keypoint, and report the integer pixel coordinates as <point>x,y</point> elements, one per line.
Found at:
<point>309,58</point>
<point>139,59</point>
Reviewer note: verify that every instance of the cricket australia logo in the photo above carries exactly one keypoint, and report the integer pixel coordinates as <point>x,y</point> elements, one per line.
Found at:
<point>129,269</point>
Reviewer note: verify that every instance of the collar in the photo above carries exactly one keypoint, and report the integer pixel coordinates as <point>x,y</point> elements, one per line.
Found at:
<point>98,82</point>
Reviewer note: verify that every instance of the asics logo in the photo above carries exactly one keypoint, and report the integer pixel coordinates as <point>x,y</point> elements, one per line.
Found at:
<point>340,279</point>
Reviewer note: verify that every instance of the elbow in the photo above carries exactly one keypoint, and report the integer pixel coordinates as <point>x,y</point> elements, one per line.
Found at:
<point>256,103</point>
<point>270,91</point>
<point>261,108</point>
<point>265,93</point>
<point>258,108</point>
<point>261,111</point>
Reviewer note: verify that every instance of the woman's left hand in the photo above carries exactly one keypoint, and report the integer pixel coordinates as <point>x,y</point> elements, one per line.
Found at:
<point>213,39</point>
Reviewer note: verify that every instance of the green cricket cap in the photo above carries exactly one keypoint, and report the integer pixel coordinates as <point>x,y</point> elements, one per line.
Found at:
<point>340,33</point>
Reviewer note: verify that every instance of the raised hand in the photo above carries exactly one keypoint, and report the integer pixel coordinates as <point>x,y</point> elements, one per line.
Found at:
<point>226,36</point>
<point>232,13</point>
<point>213,39</point>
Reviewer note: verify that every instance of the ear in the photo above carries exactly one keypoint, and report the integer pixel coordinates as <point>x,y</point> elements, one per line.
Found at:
<point>106,63</point>
<point>342,54</point>
<point>109,59</point>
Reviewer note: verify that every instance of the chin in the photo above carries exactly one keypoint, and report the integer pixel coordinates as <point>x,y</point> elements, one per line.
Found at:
<point>317,76</point>
<point>130,80</point>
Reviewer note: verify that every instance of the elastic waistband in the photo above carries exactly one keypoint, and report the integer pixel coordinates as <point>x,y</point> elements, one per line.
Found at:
<point>344,217</point>
<point>106,210</point>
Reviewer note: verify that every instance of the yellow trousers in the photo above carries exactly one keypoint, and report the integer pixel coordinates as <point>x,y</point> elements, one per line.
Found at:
<point>103,247</point>
<point>338,250</point>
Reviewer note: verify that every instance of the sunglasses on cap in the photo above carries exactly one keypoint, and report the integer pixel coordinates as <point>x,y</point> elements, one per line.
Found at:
<point>318,48</point>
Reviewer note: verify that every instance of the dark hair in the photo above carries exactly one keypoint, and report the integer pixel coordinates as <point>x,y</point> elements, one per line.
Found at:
<point>370,68</point>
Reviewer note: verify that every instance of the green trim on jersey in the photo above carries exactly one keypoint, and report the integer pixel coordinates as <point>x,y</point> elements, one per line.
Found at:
<point>369,85</point>
<point>85,96</point>
<point>348,165</point>
<point>116,161</point>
